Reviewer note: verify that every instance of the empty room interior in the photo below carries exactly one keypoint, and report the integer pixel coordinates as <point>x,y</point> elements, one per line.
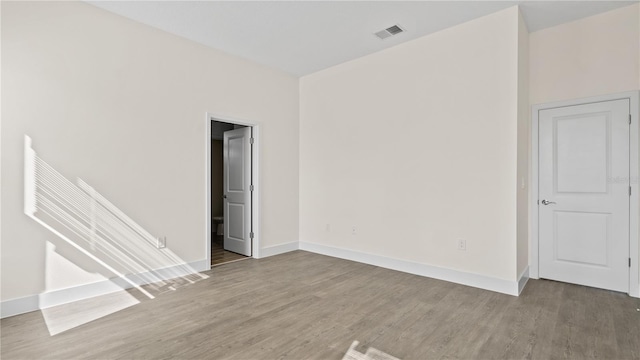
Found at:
<point>320,179</point>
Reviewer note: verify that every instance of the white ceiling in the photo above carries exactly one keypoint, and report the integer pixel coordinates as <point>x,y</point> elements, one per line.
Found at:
<point>301,37</point>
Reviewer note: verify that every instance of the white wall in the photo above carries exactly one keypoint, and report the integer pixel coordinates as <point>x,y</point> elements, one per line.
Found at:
<point>524,147</point>
<point>593,56</point>
<point>122,106</point>
<point>416,146</point>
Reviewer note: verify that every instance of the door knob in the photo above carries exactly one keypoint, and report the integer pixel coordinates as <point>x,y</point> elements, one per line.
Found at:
<point>224,196</point>
<point>547,202</point>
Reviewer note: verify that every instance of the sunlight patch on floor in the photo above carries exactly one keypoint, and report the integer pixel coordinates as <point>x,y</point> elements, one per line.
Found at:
<point>369,354</point>
<point>68,316</point>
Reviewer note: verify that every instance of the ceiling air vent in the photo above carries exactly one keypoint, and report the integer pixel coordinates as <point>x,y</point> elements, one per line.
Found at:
<point>388,32</point>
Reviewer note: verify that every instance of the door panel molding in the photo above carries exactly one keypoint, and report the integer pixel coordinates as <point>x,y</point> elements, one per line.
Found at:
<point>634,165</point>
<point>255,208</point>
<point>237,190</point>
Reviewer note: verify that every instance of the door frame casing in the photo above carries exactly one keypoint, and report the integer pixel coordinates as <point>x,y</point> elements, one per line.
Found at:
<point>634,199</point>
<point>255,180</point>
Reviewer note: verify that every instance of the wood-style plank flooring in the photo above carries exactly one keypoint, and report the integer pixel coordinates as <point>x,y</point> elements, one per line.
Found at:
<point>301,305</point>
<point>221,256</point>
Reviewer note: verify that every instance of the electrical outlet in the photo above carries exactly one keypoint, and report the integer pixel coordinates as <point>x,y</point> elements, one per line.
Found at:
<point>462,244</point>
<point>353,230</point>
<point>162,242</point>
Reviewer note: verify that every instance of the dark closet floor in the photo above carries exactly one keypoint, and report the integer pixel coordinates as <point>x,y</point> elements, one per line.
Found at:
<point>221,256</point>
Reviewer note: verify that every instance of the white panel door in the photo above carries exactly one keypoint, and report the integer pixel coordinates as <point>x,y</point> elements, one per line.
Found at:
<point>237,190</point>
<point>584,194</point>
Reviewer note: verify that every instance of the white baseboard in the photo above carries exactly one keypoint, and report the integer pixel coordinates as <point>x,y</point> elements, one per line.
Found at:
<point>522,280</point>
<point>278,249</point>
<point>64,296</point>
<point>455,276</point>
<point>19,306</point>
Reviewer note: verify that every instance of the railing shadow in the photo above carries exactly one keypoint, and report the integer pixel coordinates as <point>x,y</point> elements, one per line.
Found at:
<point>88,222</point>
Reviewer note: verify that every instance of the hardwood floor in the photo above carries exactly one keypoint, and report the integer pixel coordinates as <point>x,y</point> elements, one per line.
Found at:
<point>301,305</point>
<point>221,256</point>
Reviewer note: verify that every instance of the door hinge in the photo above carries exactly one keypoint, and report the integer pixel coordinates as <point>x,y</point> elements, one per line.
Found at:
<point>629,190</point>
<point>250,140</point>
<point>251,235</point>
<point>629,262</point>
<point>251,187</point>
<point>629,119</point>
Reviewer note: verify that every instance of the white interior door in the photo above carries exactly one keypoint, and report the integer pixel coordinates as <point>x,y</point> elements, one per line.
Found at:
<point>237,190</point>
<point>584,194</point>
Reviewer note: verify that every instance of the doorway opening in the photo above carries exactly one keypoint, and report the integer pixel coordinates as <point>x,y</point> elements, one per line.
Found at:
<point>230,188</point>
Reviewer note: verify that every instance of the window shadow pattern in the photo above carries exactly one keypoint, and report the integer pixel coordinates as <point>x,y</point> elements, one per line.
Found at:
<point>88,222</point>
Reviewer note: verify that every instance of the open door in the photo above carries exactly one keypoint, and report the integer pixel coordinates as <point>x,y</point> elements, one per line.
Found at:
<point>237,190</point>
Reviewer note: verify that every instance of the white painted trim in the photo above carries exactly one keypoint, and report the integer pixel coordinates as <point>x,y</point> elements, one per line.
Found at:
<point>80,292</point>
<point>634,174</point>
<point>48,299</point>
<point>255,173</point>
<point>279,249</point>
<point>19,306</point>
<point>533,197</point>
<point>523,279</point>
<point>255,208</point>
<point>451,275</point>
<point>207,198</point>
<point>634,209</point>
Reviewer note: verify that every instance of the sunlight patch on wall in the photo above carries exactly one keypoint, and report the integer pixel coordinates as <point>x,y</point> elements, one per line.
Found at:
<point>61,273</point>
<point>122,253</point>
